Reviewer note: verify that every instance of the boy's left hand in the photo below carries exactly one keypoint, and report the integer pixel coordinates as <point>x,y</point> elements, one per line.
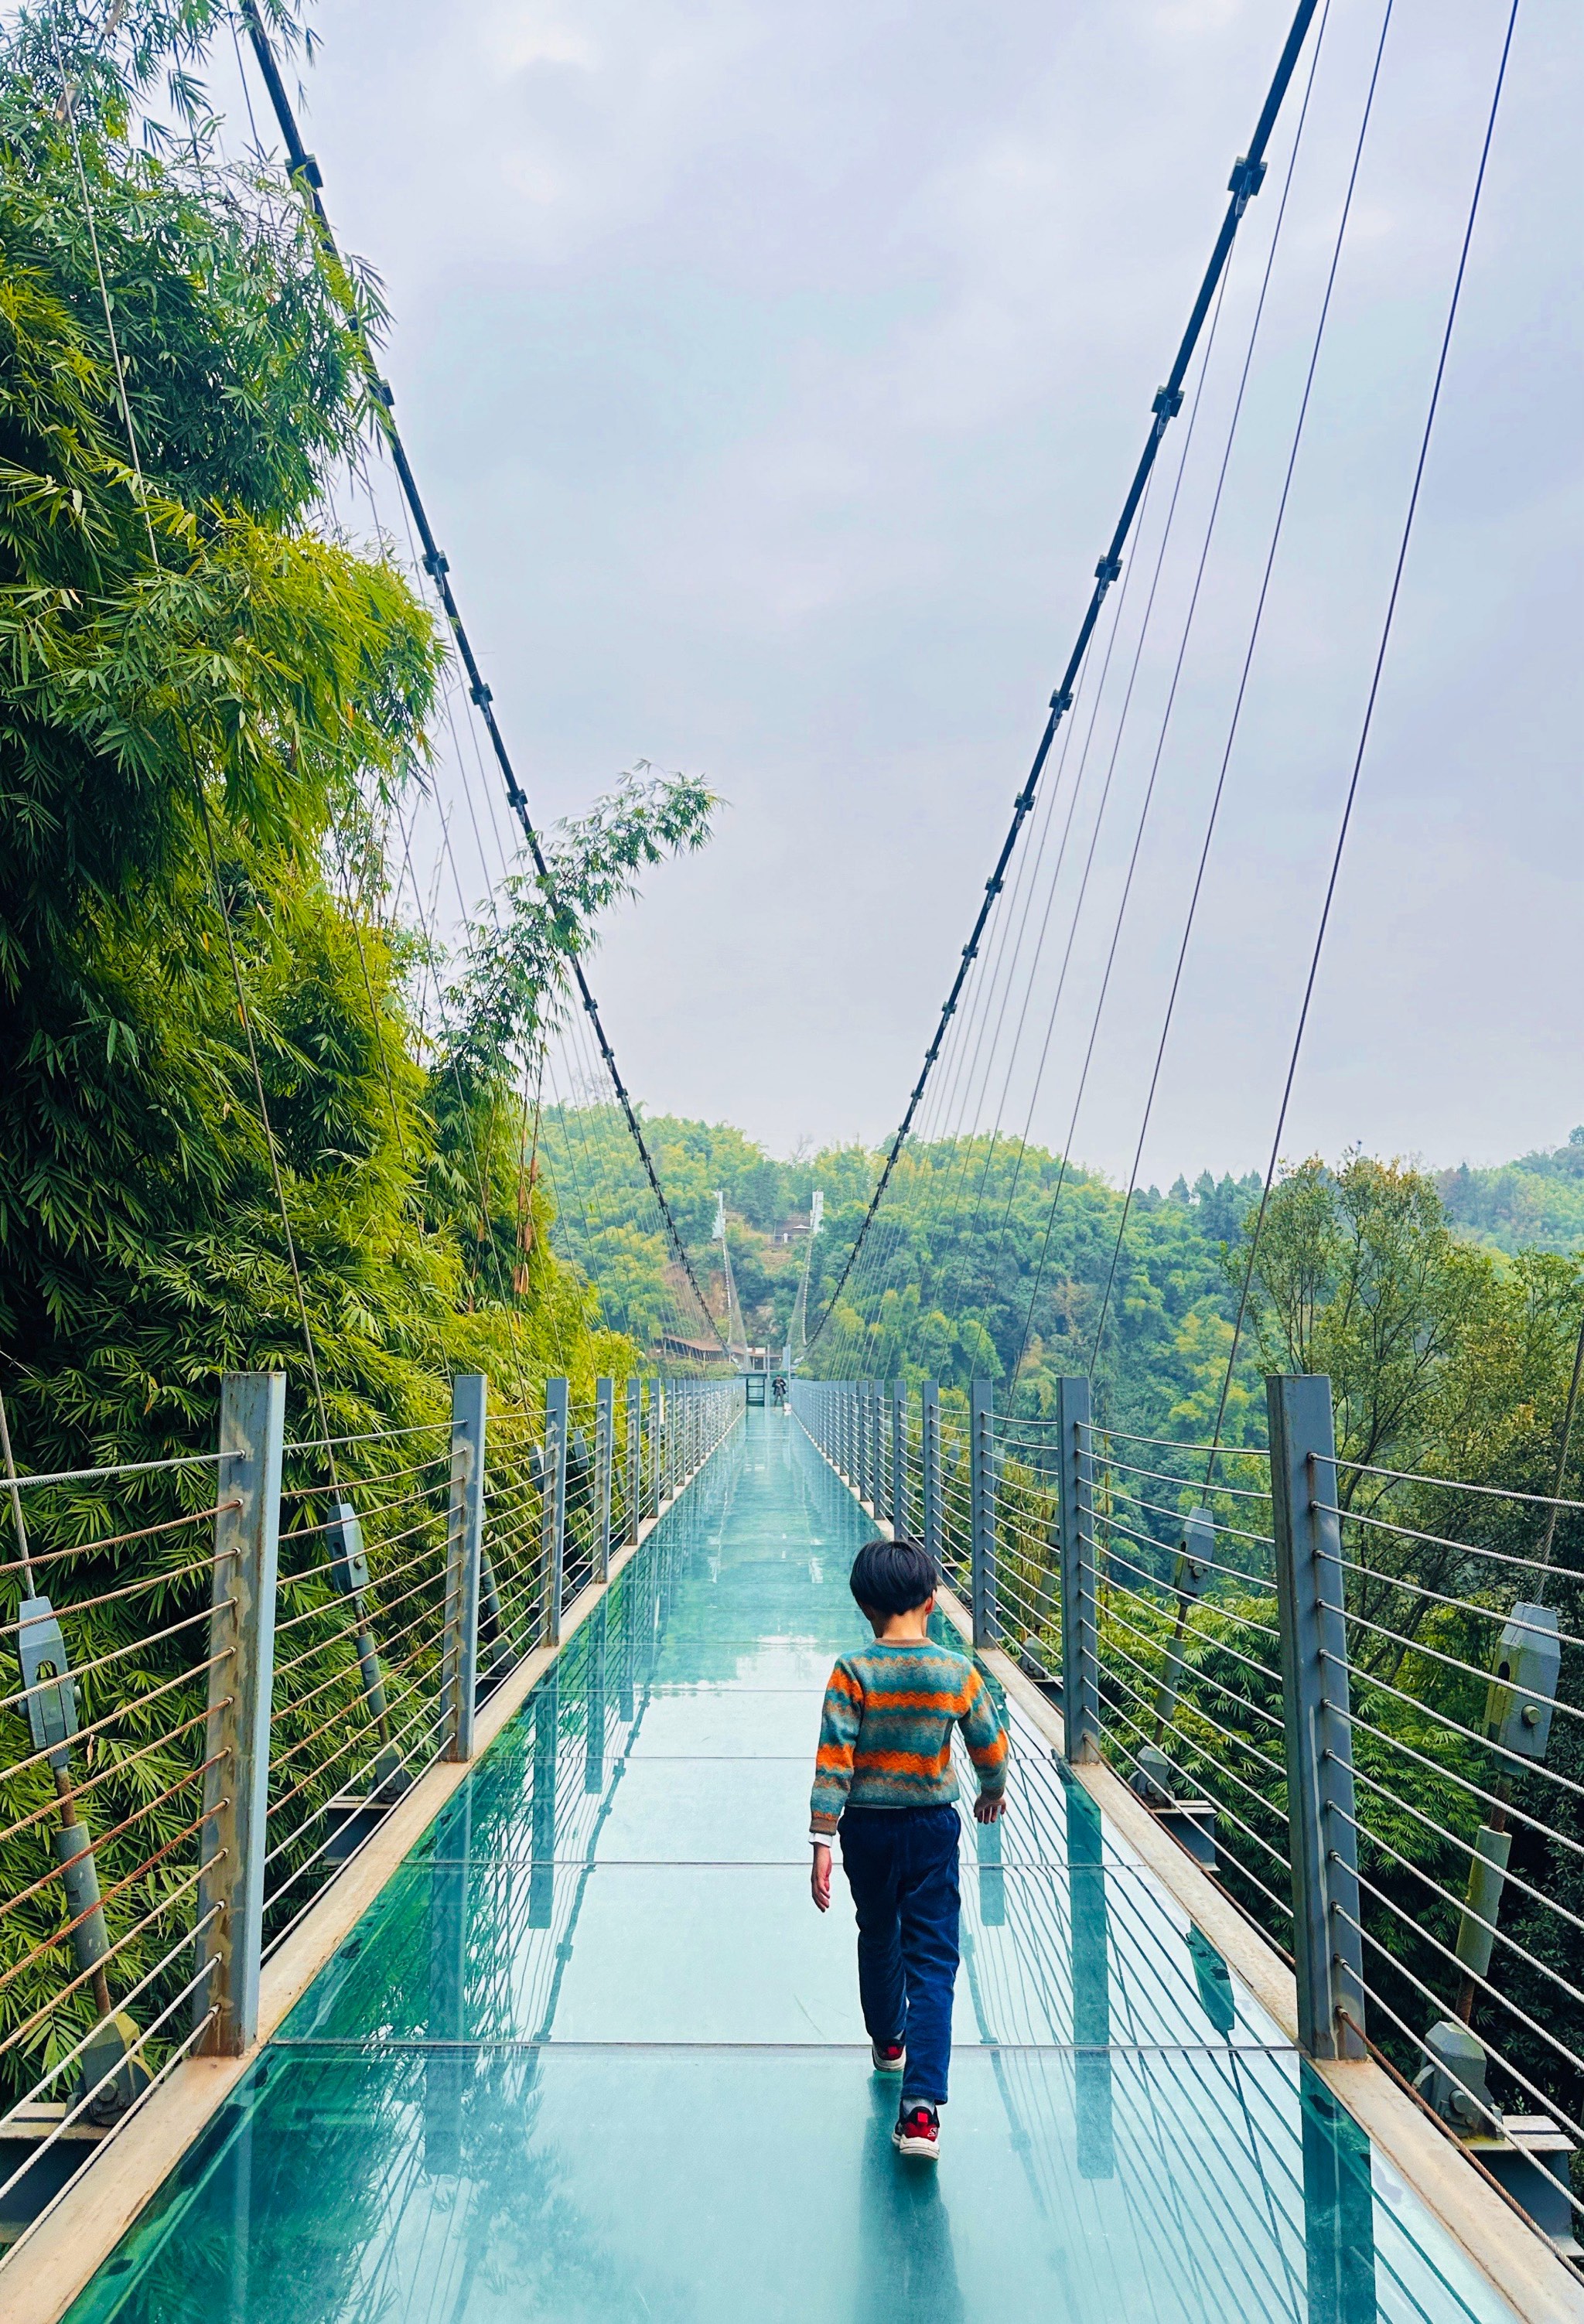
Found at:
<point>819,1883</point>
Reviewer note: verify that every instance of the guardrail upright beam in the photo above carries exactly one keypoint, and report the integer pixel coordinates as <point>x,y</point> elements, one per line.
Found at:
<point>236,1743</point>
<point>1079,1635</point>
<point>899,1458</point>
<point>981,1485</point>
<point>464,1548</point>
<point>554,1550</point>
<point>1328,1950</point>
<point>634,1456</point>
<point>605,1467</point>
<point>656,1474</point>
<point>929,1468</point>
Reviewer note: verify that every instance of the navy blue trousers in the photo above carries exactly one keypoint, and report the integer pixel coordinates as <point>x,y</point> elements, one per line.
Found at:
<point>901,1865</point>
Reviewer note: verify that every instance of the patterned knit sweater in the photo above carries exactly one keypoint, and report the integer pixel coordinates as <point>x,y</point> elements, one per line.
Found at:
<point>886,1737</point>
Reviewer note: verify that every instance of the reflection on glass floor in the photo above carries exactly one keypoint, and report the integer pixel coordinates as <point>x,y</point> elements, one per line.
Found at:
<point>593,2056</point>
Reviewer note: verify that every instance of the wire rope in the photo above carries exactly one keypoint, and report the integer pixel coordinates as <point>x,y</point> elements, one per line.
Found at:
<point>1246,176</point>
<point>305,174</point>
<point>1366,723</point>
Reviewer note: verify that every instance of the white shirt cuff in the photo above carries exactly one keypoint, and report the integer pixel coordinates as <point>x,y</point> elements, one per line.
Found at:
<point>822,1838</point>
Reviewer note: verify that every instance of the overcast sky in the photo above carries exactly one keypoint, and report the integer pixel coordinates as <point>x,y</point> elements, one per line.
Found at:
<point>774,374</point>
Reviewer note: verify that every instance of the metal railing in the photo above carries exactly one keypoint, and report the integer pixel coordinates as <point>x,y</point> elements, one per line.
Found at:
<point>221,1672</point>
<point>1340,1687</point>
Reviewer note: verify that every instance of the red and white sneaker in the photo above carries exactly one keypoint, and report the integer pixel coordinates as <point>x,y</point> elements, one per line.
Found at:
<point>918,2132</point>
<point>890,2057</point>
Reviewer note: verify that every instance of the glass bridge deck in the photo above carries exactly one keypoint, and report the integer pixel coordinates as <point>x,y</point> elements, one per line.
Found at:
<point>593,2056</point>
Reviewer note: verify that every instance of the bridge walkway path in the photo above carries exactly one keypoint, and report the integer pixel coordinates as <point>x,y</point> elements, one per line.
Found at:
<point>592,2055</point>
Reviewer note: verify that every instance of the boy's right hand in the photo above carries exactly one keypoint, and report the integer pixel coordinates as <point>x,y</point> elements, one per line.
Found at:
<point>819,1883</point>
<point>989,1810</point>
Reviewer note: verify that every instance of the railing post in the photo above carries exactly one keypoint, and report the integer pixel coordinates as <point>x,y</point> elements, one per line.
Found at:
<point>463,1546</point>
<point>236,1743</point>
<point>929,1468</point>
<point>899,1458</point>
<point>634,1456</point>
<point>656,1475</point>
<point>981,1483</point>
<point>1328,1950</point>
<point>605,1458</point>
<point>1079,1638</point>
<point>554,1506</point>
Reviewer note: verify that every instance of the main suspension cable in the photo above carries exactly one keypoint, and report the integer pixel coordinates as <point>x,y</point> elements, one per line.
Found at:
<point>1243,185</point>
<point>305,174</point>
<point>1351,794</point>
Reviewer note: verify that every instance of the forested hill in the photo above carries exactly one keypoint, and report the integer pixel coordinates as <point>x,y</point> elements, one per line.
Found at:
<point>1536,1202</point>
<point>994,1259</point>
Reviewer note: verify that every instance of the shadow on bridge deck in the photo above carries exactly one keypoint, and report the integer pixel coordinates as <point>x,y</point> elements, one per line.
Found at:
<point>593,2056</point>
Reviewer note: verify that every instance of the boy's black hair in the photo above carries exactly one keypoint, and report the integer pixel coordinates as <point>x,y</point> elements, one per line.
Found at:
<point>892,1577</point>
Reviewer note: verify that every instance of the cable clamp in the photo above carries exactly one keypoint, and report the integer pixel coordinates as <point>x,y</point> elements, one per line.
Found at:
<point>970,951</point>
<point>1062,700</point>
<point>1168,402</point>
<point>481,692</point>
<point>1246,180</point>
<point>517,800</point>
<point>436,562</point>
<point>308,170</point>
<point>1109,567</point>
<point>383,393</point>
<point>993,887</point>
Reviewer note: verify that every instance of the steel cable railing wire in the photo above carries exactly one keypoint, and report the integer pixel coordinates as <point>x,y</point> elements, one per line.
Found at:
<point>1170,706</point>
<point>1234,725</point>
<point>1246,180</point>
<point>1021,1143</point>
<point>103,1737</point>
<point>1006,953</point>
<point>306,175</point>
<point>1198,1725</point>
<point>1425,1727</point>
<point>1377,672</point>
<point>445,858</point>
<point>964,1240</point>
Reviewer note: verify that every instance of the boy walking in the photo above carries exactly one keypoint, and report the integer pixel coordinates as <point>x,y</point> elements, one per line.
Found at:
<point>883,1776</point>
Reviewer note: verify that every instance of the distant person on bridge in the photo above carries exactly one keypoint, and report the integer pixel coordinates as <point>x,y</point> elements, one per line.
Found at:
<point>883,1776</point>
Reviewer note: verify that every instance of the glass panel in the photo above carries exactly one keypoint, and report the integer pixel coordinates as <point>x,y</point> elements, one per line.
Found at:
<point>593,2056</point>
<point>598,2186</point>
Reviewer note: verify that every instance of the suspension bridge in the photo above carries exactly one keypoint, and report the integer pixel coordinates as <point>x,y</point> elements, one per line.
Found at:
<point>415,1919</point>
